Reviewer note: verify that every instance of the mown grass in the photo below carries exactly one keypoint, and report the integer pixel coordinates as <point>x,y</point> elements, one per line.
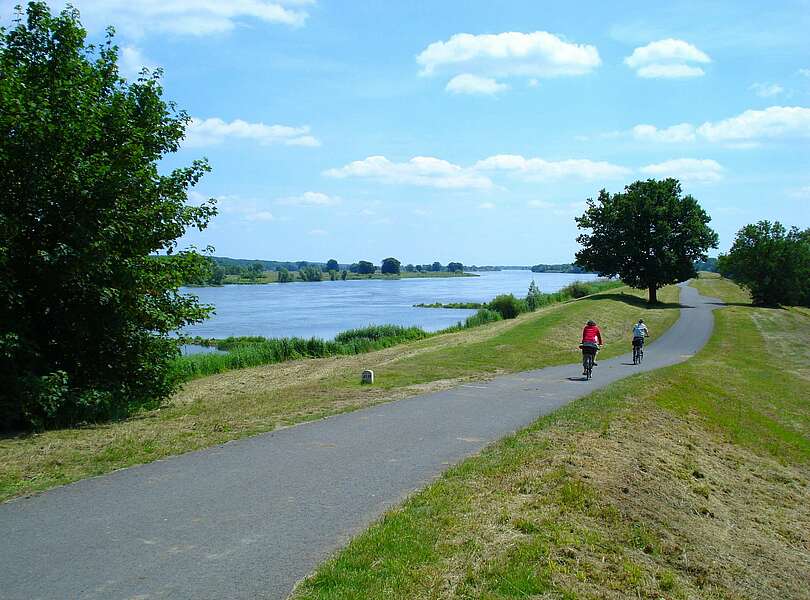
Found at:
<point>239,403</point>
<point>692,481</point>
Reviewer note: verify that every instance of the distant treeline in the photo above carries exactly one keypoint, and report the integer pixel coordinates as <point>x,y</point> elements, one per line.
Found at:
<point>221,270</point>
<point>710,265</point>
<point>231,265</point>
<point>562,268</point>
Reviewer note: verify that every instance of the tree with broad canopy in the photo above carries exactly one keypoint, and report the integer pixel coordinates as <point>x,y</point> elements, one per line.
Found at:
<point>87,312</point>
<point>650,235</point>
<point>390,266</point>
<point>772,262</point>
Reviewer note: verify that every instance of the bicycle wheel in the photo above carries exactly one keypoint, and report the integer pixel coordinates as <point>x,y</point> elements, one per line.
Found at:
<point>640,355</point>
<point>589,366</point>
<point>635,355</point>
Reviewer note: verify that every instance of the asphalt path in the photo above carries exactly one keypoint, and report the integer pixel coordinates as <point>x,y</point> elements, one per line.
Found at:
<point>250,518</point>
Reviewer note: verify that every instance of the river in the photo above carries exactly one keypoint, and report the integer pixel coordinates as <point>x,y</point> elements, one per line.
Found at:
<point>323,309</point>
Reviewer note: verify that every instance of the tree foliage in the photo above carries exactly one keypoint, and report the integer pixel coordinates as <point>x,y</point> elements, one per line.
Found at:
<point>390,266</point>
<point>772,262</point>
<point>650,235</point>
<point>455,267</point>
<point>255,271</point>
<point>364,267</point>
<point>310,273</point>
<point>86,312</point>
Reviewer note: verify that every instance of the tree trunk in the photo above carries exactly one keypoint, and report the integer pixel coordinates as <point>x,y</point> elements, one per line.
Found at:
<point>653,294</point>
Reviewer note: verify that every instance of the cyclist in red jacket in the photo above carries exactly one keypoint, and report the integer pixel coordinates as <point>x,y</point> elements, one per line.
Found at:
<point>591,340</point>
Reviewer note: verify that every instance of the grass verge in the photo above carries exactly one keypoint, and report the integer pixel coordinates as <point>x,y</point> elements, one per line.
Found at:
<point>689,482</point>
<point>215,409</point>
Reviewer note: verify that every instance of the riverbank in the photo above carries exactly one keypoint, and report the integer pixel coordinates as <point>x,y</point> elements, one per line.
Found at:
<point>272,277</point>
<point>691,481</point>
<point>215,409</point>
<point>252,351</point>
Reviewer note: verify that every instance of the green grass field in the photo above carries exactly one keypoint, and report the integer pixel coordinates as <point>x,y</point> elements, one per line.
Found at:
<point>219,408</point>
<point>688,482</point>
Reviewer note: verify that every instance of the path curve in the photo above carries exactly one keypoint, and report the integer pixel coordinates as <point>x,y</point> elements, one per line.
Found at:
<point>249,518</point>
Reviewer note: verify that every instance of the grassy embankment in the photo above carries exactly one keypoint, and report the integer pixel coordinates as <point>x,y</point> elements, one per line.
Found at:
<point>215,409</point>
<point>688,482</point>
<point>272,277</point>
<point>245,352</point>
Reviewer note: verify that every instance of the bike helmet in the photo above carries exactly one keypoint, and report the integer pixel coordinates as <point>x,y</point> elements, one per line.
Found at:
<point>591,323</point>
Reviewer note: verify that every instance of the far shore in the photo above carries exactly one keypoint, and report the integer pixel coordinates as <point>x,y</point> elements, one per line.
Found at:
<point>272,277</point>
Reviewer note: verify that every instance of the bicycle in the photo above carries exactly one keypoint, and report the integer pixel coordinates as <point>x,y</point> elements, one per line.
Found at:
<point>588,358</point>
<point>638,351</point>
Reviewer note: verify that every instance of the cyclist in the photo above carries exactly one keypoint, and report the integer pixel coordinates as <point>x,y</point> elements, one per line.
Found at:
<point>591,340</point>
<point>639,333</point>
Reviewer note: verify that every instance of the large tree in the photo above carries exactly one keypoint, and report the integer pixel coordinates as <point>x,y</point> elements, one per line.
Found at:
<point>772,262</point>
<point>650,235</point>
<point>390,266</point>
<point>86,312</point>
<point>365,267</point>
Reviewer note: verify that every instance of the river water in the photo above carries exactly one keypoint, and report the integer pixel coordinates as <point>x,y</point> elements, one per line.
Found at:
<point>323,309</point>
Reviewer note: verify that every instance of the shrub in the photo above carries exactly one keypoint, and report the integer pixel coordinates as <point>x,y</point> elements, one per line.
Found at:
<point>507,306</point>
<point>310,273</point>
<point>533,297</point>
<point>483,316</point>
<point>577,289</point>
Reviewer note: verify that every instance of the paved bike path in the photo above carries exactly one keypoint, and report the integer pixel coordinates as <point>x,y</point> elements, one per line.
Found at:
<point>249,518</point>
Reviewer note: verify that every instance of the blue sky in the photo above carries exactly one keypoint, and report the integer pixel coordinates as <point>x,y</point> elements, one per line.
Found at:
<point>471,131</point>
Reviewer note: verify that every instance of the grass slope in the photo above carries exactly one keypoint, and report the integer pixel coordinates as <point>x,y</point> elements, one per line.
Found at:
<point>689,482</point>
<point>219,408</point>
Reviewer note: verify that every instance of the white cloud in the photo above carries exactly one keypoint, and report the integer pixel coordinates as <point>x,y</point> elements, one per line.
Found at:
<point>742,131</point>
<point>684,132</point>
<point>509,54</point>
<point>210,132</point>
<point>486,205</point>
<point>420,170</point>
<point>751,125</point>
<point>187,17</point>
<point>473,84</point>
<point>438,173</point>
<point>131,61</point>
<point>687,169</point>
<point>766,90</point>
<point>669,71</point>
<point>668,58</point>
<point>318,232</point>
<point>310,199</point>
<point>534,169</point>
<point>804,72</point>
<point>539,204</point>
<point>244,209</point>
<point>802,193</point>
